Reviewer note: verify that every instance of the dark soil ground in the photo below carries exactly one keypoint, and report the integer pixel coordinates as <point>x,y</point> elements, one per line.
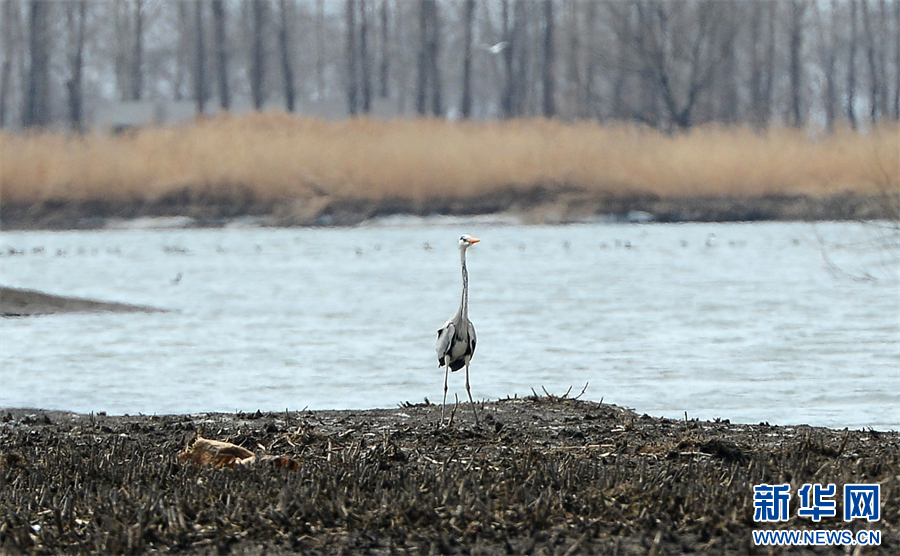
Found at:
<point>540,475</point>
<point>536,205</point>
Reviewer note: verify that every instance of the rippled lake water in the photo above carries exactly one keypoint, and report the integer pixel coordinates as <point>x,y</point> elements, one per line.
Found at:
<point>750,325</point>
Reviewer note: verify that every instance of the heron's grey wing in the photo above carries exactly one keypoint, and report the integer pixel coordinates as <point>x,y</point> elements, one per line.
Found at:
<point>444,340</point>
<point>471,337</point>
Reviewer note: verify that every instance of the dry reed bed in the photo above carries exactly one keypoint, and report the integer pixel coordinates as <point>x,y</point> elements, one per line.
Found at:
<point>545,476</point>
<point>277,156</point>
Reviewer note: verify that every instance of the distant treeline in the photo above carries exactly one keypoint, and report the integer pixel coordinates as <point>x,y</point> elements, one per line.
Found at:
<point>668,64</point>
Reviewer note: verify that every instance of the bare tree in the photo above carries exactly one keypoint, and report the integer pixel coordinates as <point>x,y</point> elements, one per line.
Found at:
<point>37,98</point>
<point>679,46</point>
<point>76,16</point>
<point>770,77</point>
<point>428,77</point>
<point>621,21</point>
<point>669,64</point>
<point>258,54</point>
<point>828,54</point>
<point>726,86</point>
<point>422,74</point>
<point>352,64</point>
<point>384,66</point>
<point>850,105</point>
<point>437,102</point>
<point>884,43</point>
<point>756,73</point>
<point>468,24</point>
<point>218,11</point>
<point>10,47</point>
<point>320,49</point>
<point>547,77</point>
<point>199,58</point>
<point>871,57</point>
<point>795,72</point>
<point>137,57</point>
<point>284,42</point>
<point>897,60</point>
<point>364,58</point>
<point>184,51</point>
<point>590,31</point>
<point>507,96</point>
<point>573,80</point>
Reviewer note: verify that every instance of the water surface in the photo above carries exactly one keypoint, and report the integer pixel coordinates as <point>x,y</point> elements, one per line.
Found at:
<point>750,325</point>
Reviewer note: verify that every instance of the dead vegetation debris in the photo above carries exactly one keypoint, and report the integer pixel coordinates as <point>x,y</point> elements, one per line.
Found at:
<point>559,476</point>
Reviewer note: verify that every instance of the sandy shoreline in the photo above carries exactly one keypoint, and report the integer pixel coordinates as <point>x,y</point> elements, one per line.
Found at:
<point>19,302</point>
<point>542,475</point>
<point>532,205</point>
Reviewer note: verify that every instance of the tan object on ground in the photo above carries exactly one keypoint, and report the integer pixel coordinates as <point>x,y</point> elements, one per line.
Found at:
<point>225,454</point>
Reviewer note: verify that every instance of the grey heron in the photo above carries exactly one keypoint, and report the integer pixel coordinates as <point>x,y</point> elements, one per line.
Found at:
<point>456,339</point>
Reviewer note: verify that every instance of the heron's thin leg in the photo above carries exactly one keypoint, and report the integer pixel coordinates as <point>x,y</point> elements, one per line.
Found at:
<point>471,401</point>
<point>444,403</point>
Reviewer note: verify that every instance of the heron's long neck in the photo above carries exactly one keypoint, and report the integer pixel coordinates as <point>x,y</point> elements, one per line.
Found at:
<point>464,302</point>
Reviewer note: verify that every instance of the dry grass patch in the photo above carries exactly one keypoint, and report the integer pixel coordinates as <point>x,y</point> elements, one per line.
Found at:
<point>275,156</point>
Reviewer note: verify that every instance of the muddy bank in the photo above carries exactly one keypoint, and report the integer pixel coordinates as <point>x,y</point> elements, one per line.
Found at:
<point>18,302</point>
<point>536,205</point>
<point>541,475</point>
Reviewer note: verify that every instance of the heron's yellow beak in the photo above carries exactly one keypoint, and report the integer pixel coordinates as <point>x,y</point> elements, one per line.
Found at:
<point>474,240</point>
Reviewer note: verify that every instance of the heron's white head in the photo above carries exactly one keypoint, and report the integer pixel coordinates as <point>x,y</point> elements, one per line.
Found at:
<point>465,241</point>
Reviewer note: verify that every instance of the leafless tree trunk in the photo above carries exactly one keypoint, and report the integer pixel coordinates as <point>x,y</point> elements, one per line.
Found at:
<point>871,57</point>
<point>320,49</point>
<point>468,24</point>
<point>121,27</point>
<point>218,10</point>
<point>137,58</point>
<point>10,47</point>
<point>384,66</point>
<point>622,67</point>
<point>519,65</point>
<point>352,80</point>
<point>897,60</point>
<point>795,72</point>
<point>428,78</point>
<point>37,98</point>
<point>884,44</point>
<point>76,14</point>
<point>769,83</point>
<point>727,110</point>
<point>755,82</point>
<point>573,99</point>
<point>287,71</point>
<point>199,59</point>
<point>850,106</point>
<point>437,102</point>
<point>422,60</point>
<point>827,46</point>
<point>183,50</point>
<point>258,54</point>
<point>590,26</point>
<point>547,77</point>
<point>506,97</point>
<point>364,58</point>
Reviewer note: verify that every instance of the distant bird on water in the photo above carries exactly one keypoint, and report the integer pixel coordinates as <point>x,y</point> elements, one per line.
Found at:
<point>456,339</point>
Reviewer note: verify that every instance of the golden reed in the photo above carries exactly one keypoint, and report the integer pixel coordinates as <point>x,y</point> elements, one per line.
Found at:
<point>276,155</point>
